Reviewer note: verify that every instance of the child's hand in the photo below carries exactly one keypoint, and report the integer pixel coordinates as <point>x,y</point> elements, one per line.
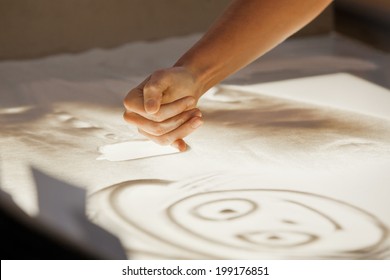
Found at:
<point>163,106</point>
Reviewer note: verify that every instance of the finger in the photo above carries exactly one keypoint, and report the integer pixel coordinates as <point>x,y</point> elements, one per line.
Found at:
<point>134,101</point>
<point>180,145</point>
<point>172,109</point>
<point>153,91</point>
<point>160,128</point>
<point>179,133</point>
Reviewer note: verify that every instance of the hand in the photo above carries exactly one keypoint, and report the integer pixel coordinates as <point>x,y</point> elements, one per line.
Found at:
<point>163,107</point>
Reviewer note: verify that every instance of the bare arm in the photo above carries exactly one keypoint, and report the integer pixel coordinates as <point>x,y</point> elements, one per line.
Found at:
<point>245,31</point>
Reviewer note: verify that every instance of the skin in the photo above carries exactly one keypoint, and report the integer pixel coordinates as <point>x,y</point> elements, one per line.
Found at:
<point>163,106</point>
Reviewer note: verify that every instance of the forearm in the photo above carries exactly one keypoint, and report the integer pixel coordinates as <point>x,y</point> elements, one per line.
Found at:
<point>244,32</point>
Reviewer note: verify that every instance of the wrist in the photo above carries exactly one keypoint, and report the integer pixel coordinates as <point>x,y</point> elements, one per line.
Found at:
<point>201,75</point>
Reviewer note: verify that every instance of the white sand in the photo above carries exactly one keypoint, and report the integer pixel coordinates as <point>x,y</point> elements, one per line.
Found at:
<point>56,113</point>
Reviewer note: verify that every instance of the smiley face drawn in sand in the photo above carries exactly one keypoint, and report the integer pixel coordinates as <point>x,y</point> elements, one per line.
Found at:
<point>278,221</point>
<point>201,220</point>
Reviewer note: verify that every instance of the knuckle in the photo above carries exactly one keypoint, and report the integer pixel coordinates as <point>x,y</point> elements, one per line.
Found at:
<point>127,103</point>
<point>189,101</point>
<point>158,129</point>
<point>132,118</point>
<point>151,118</point>
<point>163,75</point>
<point>160,73</point>
<point>128,117</point>
<point>151,86</point>
<point>158,117</point>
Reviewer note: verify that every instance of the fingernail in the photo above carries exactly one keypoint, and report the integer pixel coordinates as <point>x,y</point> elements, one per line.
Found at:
<point>180,145</point>
<point>151,106</point>
<point>196,122</point>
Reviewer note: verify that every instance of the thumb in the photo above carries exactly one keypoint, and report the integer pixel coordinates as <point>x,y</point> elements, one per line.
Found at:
<point>153,92</point>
